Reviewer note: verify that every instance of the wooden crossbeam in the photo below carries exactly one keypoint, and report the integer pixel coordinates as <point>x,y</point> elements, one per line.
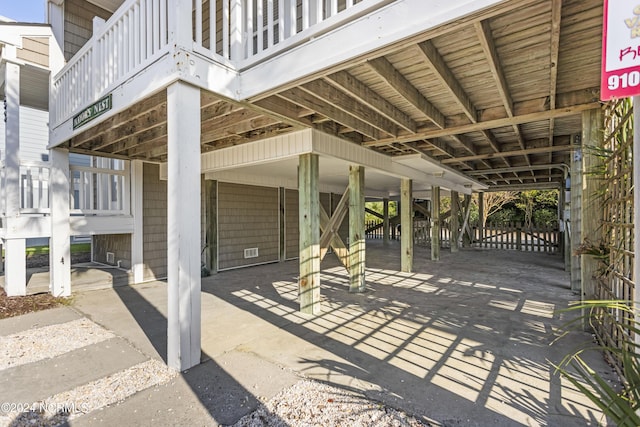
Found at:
<point>422,210</point>
<point>488,124</point>
<point>329,229</point>
<point>374,213</point>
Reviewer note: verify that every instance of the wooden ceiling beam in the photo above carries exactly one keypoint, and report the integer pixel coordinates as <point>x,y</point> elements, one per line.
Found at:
<point>362,92</point>
<point>339,99</point>
<point>483,32</point>
<point>533,150</point>
<point>126,130</point>
<point>444,74</point>
<point>401,85</point>
<point>288,111</point>
<point>308,100</point>
<point>556,17</point>
<point>488,124</point>
<point>238,128</point>
<point>228,120</point>
<point>150,134</point>
<point>136,110</point>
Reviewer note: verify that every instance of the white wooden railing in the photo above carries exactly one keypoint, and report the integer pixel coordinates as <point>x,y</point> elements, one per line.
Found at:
<point>134,36</point>
<point>34,187</point>
<point>237,33</point>
<point>101,190</point>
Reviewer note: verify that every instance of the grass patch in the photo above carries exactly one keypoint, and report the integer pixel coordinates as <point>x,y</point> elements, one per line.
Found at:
<point>76,248</point>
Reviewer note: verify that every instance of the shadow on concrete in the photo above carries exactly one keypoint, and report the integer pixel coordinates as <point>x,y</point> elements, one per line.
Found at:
<point>465,340</point>
<point>225,399</point>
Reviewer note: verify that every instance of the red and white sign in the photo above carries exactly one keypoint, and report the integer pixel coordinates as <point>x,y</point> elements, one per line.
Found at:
<point>620,75</point>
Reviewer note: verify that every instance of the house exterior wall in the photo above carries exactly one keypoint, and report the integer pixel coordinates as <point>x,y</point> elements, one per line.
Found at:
<point>35,49</point>
<point>248,217</point>
<point>118,244</point>
<point>291,235</point>
<point>154,219</point>
<point>78,24</point>
<point>34,134</point>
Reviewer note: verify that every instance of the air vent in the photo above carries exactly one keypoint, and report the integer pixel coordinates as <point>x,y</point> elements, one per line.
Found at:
<point>111,259</point>
<point>251,253</point>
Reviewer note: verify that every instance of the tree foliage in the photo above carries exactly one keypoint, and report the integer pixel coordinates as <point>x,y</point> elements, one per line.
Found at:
<point>495,201</point>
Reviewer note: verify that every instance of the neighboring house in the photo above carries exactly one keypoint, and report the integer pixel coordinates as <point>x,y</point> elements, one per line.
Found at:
<point>244,128</point>
<point>29,55</point>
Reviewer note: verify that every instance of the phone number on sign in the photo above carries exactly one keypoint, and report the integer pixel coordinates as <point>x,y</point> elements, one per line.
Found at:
<point>44,407</point>
<point>624,80</point>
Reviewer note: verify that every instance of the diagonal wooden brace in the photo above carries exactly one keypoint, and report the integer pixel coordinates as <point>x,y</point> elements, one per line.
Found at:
<point>329,228</point>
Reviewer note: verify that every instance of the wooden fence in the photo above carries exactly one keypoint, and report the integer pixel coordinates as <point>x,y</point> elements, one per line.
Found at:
<point>516,236</point>
<point>613,326</point>
<point>503,236</point>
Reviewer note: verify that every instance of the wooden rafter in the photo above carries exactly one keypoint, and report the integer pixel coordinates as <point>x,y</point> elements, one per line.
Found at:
<point>401,85</point>
<point>349,105</point>
<point>307,99</point>
<point>483,31</point>
<point>362,92</point>
<point>442,71</point>
<point>554,46</point>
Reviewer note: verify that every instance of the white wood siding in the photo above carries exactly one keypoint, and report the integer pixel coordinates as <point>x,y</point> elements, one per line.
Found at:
<point>34,135</point>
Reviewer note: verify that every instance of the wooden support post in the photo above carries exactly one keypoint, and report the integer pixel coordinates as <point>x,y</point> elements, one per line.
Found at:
<point>435,223</point>
<point>454,221</point>
<point>309,223</point>
<point>357,241</point>
<point>466,231</point>
<point>480,217</point>
<point>60,242</point>
<point>406,225</point>
<point>15,256</point>
<point>183,226</point>
<point>137,237</point>
<point>282,224</point>
<point>592,212</point>
<point>575,222</point>
<point>385,221</point>
<point>211,224</point>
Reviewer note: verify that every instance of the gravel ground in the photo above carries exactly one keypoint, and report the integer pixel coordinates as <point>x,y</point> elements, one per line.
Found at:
<point>307,403</point>
<point>65,406</point>
<point>49,341</point>
<point>311,404</point>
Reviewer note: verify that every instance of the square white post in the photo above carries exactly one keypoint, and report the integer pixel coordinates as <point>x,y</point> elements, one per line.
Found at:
<point>406,225</point>
<point>183,226</point>
<point>15,277</point>
<point>137,251</point>
<point>15,257</point>
<point>60,242</point>
<point>357,242</point>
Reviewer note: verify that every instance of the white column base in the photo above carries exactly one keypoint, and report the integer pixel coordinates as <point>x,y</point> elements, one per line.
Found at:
<point>60,241</point>
<point>15,267</point>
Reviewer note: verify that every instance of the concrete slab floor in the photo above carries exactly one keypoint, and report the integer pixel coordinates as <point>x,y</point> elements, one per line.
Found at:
<point>463,341</point>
